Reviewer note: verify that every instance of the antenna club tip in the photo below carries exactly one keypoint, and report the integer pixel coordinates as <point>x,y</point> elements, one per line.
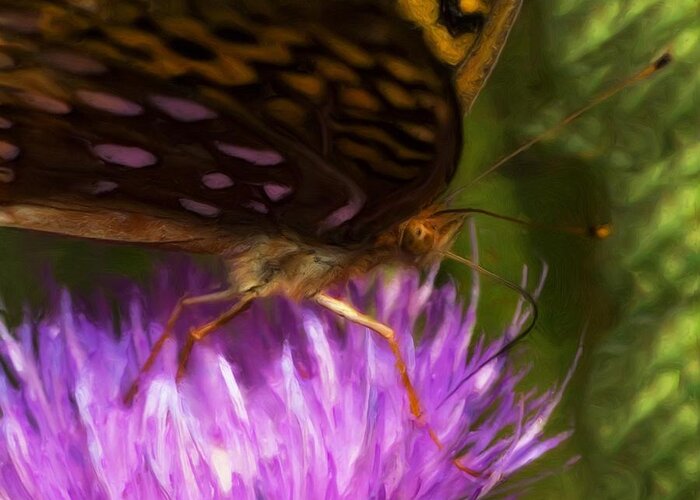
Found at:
<point>664,60</point>
<point>601,231</point>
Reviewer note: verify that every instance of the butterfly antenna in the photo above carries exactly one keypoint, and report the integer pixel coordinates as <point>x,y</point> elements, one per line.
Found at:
<point>534,313</point>
<point>658,64</point>
<point>599,231</point>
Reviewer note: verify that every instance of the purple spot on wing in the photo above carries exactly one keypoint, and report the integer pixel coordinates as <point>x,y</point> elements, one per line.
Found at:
<point>5,123</point>
<point>199,208</point>
<point>126,156</point>
<point>257,206</point>
<point>8,151</point>
<point>183,110</point>
<point>7,175</point>
<point>43,102</point>
<point>21,22</point>
<point>6,61</point>
<point>74,63</point>
<point>344,213</point>
<point>276,192</point>
<point>217,180</point>
<point>109,103</point>
<point>264,157</point>
<point>102,187</point>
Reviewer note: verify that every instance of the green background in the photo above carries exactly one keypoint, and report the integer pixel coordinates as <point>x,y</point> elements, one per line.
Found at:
<point>635,162</point>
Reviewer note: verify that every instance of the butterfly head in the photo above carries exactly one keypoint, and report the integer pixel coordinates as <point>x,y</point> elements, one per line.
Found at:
<point>427,236</point>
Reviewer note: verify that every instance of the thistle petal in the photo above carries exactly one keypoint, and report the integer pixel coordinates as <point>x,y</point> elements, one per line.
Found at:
<point>289,404</point>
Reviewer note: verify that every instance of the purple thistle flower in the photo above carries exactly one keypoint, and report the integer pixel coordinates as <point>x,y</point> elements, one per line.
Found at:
<point>288,401</point>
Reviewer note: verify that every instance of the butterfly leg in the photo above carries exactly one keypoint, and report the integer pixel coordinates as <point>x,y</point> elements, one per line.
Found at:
<point>348,312</point>
<point>184,302</point>
<point>200,332</point>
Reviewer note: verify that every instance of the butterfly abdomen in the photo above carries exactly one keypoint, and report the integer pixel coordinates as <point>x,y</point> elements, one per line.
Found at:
<point>267,265</point>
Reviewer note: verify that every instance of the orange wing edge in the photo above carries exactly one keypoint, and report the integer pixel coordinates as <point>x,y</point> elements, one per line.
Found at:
<point>471,75</point>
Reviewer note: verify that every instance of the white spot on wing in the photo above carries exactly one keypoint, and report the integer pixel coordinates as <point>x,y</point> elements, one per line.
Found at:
<point>183,110</point>
<point>276,192</point>
<point>344,213</point>
<point>217,180</point>
<point>102,187</point>
<point>8,151</point>
<point>126,156</point>
<point>5,123</point>
<point>263,157</point>
<point>45,103</point>
<point>109,103</point>
<point>199,208</point>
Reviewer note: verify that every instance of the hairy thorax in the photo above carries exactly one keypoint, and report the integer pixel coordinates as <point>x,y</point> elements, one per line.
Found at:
<point>270,265</point>
<point>276,264</point>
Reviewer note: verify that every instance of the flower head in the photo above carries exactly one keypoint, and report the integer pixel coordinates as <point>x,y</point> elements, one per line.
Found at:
<point>287,401</point>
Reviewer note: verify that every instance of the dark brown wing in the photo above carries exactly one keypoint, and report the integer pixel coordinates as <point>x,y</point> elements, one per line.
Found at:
<point>330,119</point>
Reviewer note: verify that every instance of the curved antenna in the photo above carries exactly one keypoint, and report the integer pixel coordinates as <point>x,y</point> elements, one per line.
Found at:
<point>508,345</point>
<point>659,63</point>
<point>600,231</point>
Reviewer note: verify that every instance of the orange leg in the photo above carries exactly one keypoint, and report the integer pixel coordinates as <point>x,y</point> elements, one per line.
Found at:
<point>200,332</point>
<point>350,313</point>
<point>168,331</point>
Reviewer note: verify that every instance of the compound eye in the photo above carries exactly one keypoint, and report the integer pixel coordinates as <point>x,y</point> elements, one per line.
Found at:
<point>418,239</point>
<point>457,21</point>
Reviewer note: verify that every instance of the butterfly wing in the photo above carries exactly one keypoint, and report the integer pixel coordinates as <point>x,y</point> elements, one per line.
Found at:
<point>474,70</point>
<point>332,120</point>
<point>467,35</point>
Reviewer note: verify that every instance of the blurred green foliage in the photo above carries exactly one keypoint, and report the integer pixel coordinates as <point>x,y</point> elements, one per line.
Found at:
<point>634,161</point>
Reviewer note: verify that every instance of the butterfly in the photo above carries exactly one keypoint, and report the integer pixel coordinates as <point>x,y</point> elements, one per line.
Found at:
<point>303,142</point>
